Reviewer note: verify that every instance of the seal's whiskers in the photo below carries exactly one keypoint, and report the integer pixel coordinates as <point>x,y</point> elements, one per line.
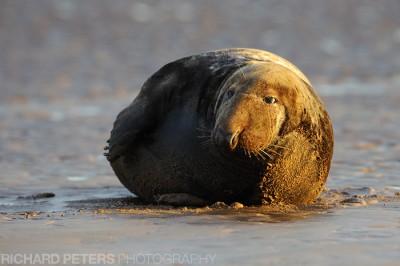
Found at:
<point>266,153</point>
<point>271,150</point>
<point>205,135</point>
<point>248,153</point>
<point>281,147</point>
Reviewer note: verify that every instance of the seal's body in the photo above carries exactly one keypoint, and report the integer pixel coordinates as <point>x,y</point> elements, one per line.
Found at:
<point>230,125</point>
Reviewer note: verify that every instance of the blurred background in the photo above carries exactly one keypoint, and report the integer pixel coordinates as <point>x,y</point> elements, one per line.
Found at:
<point>96,48</point>
<point>67,67</point>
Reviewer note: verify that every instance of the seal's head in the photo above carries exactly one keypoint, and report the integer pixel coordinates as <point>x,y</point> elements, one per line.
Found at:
<point>256,105</point>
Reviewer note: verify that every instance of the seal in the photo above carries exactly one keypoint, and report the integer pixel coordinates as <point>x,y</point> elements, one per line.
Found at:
<point>232,125</point>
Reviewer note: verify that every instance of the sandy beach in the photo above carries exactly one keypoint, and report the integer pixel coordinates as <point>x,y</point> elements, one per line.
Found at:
<point>68,67</point>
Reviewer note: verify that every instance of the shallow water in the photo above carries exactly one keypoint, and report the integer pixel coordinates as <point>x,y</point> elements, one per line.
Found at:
<point>57,148</point>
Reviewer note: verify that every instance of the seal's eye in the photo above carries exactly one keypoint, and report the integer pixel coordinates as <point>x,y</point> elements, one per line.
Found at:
<point>270,100</point>
<point>230,93</point>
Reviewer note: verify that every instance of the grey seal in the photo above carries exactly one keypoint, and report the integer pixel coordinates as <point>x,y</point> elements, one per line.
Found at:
<point>232,125</point>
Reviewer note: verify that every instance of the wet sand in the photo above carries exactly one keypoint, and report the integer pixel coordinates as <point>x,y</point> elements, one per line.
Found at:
<point>317,235</point>
<point>68,69</point>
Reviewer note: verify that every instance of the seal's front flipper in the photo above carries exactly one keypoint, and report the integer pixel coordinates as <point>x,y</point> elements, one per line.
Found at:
<point>180,199</point>
<point>154,101</point>
<point>130,123</point>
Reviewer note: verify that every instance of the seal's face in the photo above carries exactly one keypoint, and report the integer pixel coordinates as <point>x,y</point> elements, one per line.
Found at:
<point>254,105</point>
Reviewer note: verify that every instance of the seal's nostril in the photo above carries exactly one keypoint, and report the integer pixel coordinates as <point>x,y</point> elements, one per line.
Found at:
<point>233,140</point>
<point>226,139</point>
